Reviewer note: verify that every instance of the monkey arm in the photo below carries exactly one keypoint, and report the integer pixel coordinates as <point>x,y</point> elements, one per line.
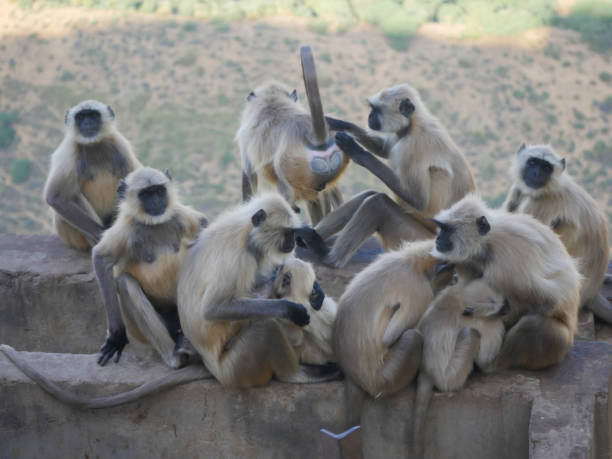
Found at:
<point>74,214</point>
<point>258,308</point>
<point>116,338</point>
<point>376,167</point>
<point>375,144</point>
<point>513,200</point>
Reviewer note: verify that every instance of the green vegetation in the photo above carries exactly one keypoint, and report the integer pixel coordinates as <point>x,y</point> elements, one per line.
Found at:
<point>7,133</point>
<point>497,201</point>
<point>593,20</point>
<point>398,20</point>
<point>20,171</point>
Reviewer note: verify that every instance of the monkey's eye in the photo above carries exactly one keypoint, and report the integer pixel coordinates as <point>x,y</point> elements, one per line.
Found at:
<point>532,162</point>
<point>547,167</point>
<point>286,279</point>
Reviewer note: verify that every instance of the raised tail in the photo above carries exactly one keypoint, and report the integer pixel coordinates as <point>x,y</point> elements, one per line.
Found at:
<point>176,377</point>
<point>421,403</point>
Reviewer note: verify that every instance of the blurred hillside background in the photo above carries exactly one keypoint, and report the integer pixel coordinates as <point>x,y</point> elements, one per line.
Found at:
<point>177,72</point>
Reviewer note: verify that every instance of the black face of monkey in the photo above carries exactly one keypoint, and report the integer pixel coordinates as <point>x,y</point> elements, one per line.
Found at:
<point>288,243</point>
<point>88,122</point>
<point>316,296</point>
<point>374,118</point>
<point>443,239</point>
<point>536,172</point>
<point>154,199</point>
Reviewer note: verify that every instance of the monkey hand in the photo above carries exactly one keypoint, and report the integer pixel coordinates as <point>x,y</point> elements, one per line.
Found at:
<point>348,145</point>
<point>338,125</point>
<point>113,344</point>
<point>298,314</point>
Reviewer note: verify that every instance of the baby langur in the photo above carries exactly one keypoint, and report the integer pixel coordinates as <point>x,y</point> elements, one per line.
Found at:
<point>376,343</point>
<point>238,335</point>
<point>525,262</point>
<point>277,143</point>
<point>427,172</point>
<point>544,189</point>
<point>296,282</point>
<point>462,326</point>
<point>85,171</point>
<point>140,256</point>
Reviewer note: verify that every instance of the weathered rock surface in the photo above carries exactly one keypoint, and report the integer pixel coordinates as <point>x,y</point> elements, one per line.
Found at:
<point>556,413</point>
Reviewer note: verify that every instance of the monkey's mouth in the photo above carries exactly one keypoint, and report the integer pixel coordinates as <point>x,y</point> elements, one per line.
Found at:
<point>443,245</point>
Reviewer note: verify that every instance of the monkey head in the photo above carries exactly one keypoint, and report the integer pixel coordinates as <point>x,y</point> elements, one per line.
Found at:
<point>481,300</point>
<point>272,93</point>
<point>462,231</point>
<point>147,195</point>
<point>90,121</point>
<point>273,227</point>
<point>537,168</point>
<point>297,281</point>
<point>393,109</point>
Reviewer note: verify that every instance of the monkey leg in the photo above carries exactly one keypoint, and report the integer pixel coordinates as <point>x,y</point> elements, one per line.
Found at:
<point>249,185</point>
<point>336,220</point>
<point>258,352</point>
<point>462,361</point>
<point>602,308</point>
<point>183,347</point>
<point>377,214</point>
<point>402,362</point>
<point>149,323</point>
<point>70,235</point>
<point>535,342</point>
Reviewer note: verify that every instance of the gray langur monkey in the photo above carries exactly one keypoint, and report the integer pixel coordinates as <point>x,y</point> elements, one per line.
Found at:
<point>296,281</point>
<point>85,171</point>
<point>376,343</point>
<point>136,263</point>
<point>462,326</point>
<point>527,263</point>
<point>427,172</point>
<point>543,189</point>
<point>237,334</point>
<point>278,144</point>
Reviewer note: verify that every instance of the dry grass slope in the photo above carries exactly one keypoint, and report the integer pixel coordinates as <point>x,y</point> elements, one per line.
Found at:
<point>177,87</point>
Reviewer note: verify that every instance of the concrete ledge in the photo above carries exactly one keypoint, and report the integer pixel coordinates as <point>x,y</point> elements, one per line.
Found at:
<point>50,299</point>
<point>560,412</point>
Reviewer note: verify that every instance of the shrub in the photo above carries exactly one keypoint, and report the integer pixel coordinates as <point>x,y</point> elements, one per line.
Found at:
<point>20,170</point>
<point>7,133</point>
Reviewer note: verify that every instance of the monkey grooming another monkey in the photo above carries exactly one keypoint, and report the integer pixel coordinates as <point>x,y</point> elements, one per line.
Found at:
<point>525,262</point>
<point>462,326</point>
<point>237,335</point>
<point>277,143</point>
<point>376,343</point>
<point>296,282</point>
<point>544,190</point>
<point>427,173</point>
<point>85,171</point>
<point>136,263</point>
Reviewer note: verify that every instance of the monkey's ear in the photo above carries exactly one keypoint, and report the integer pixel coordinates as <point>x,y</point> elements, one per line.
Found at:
<point>250,96</point>
<point>121,189</point>
<point>259,217</point>
<point>521,148</point>
<point>66,117</point>
<point>293,95</point>
<point>562,164</point>
<point>406,107</point>
<point>483,225</point>
<point>167,172</point>
<point>286,279</point>
<point>111,112</point>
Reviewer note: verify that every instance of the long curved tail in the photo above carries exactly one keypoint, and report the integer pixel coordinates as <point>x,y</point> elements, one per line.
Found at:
<point>421,403</point>
<point>184,375</point>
